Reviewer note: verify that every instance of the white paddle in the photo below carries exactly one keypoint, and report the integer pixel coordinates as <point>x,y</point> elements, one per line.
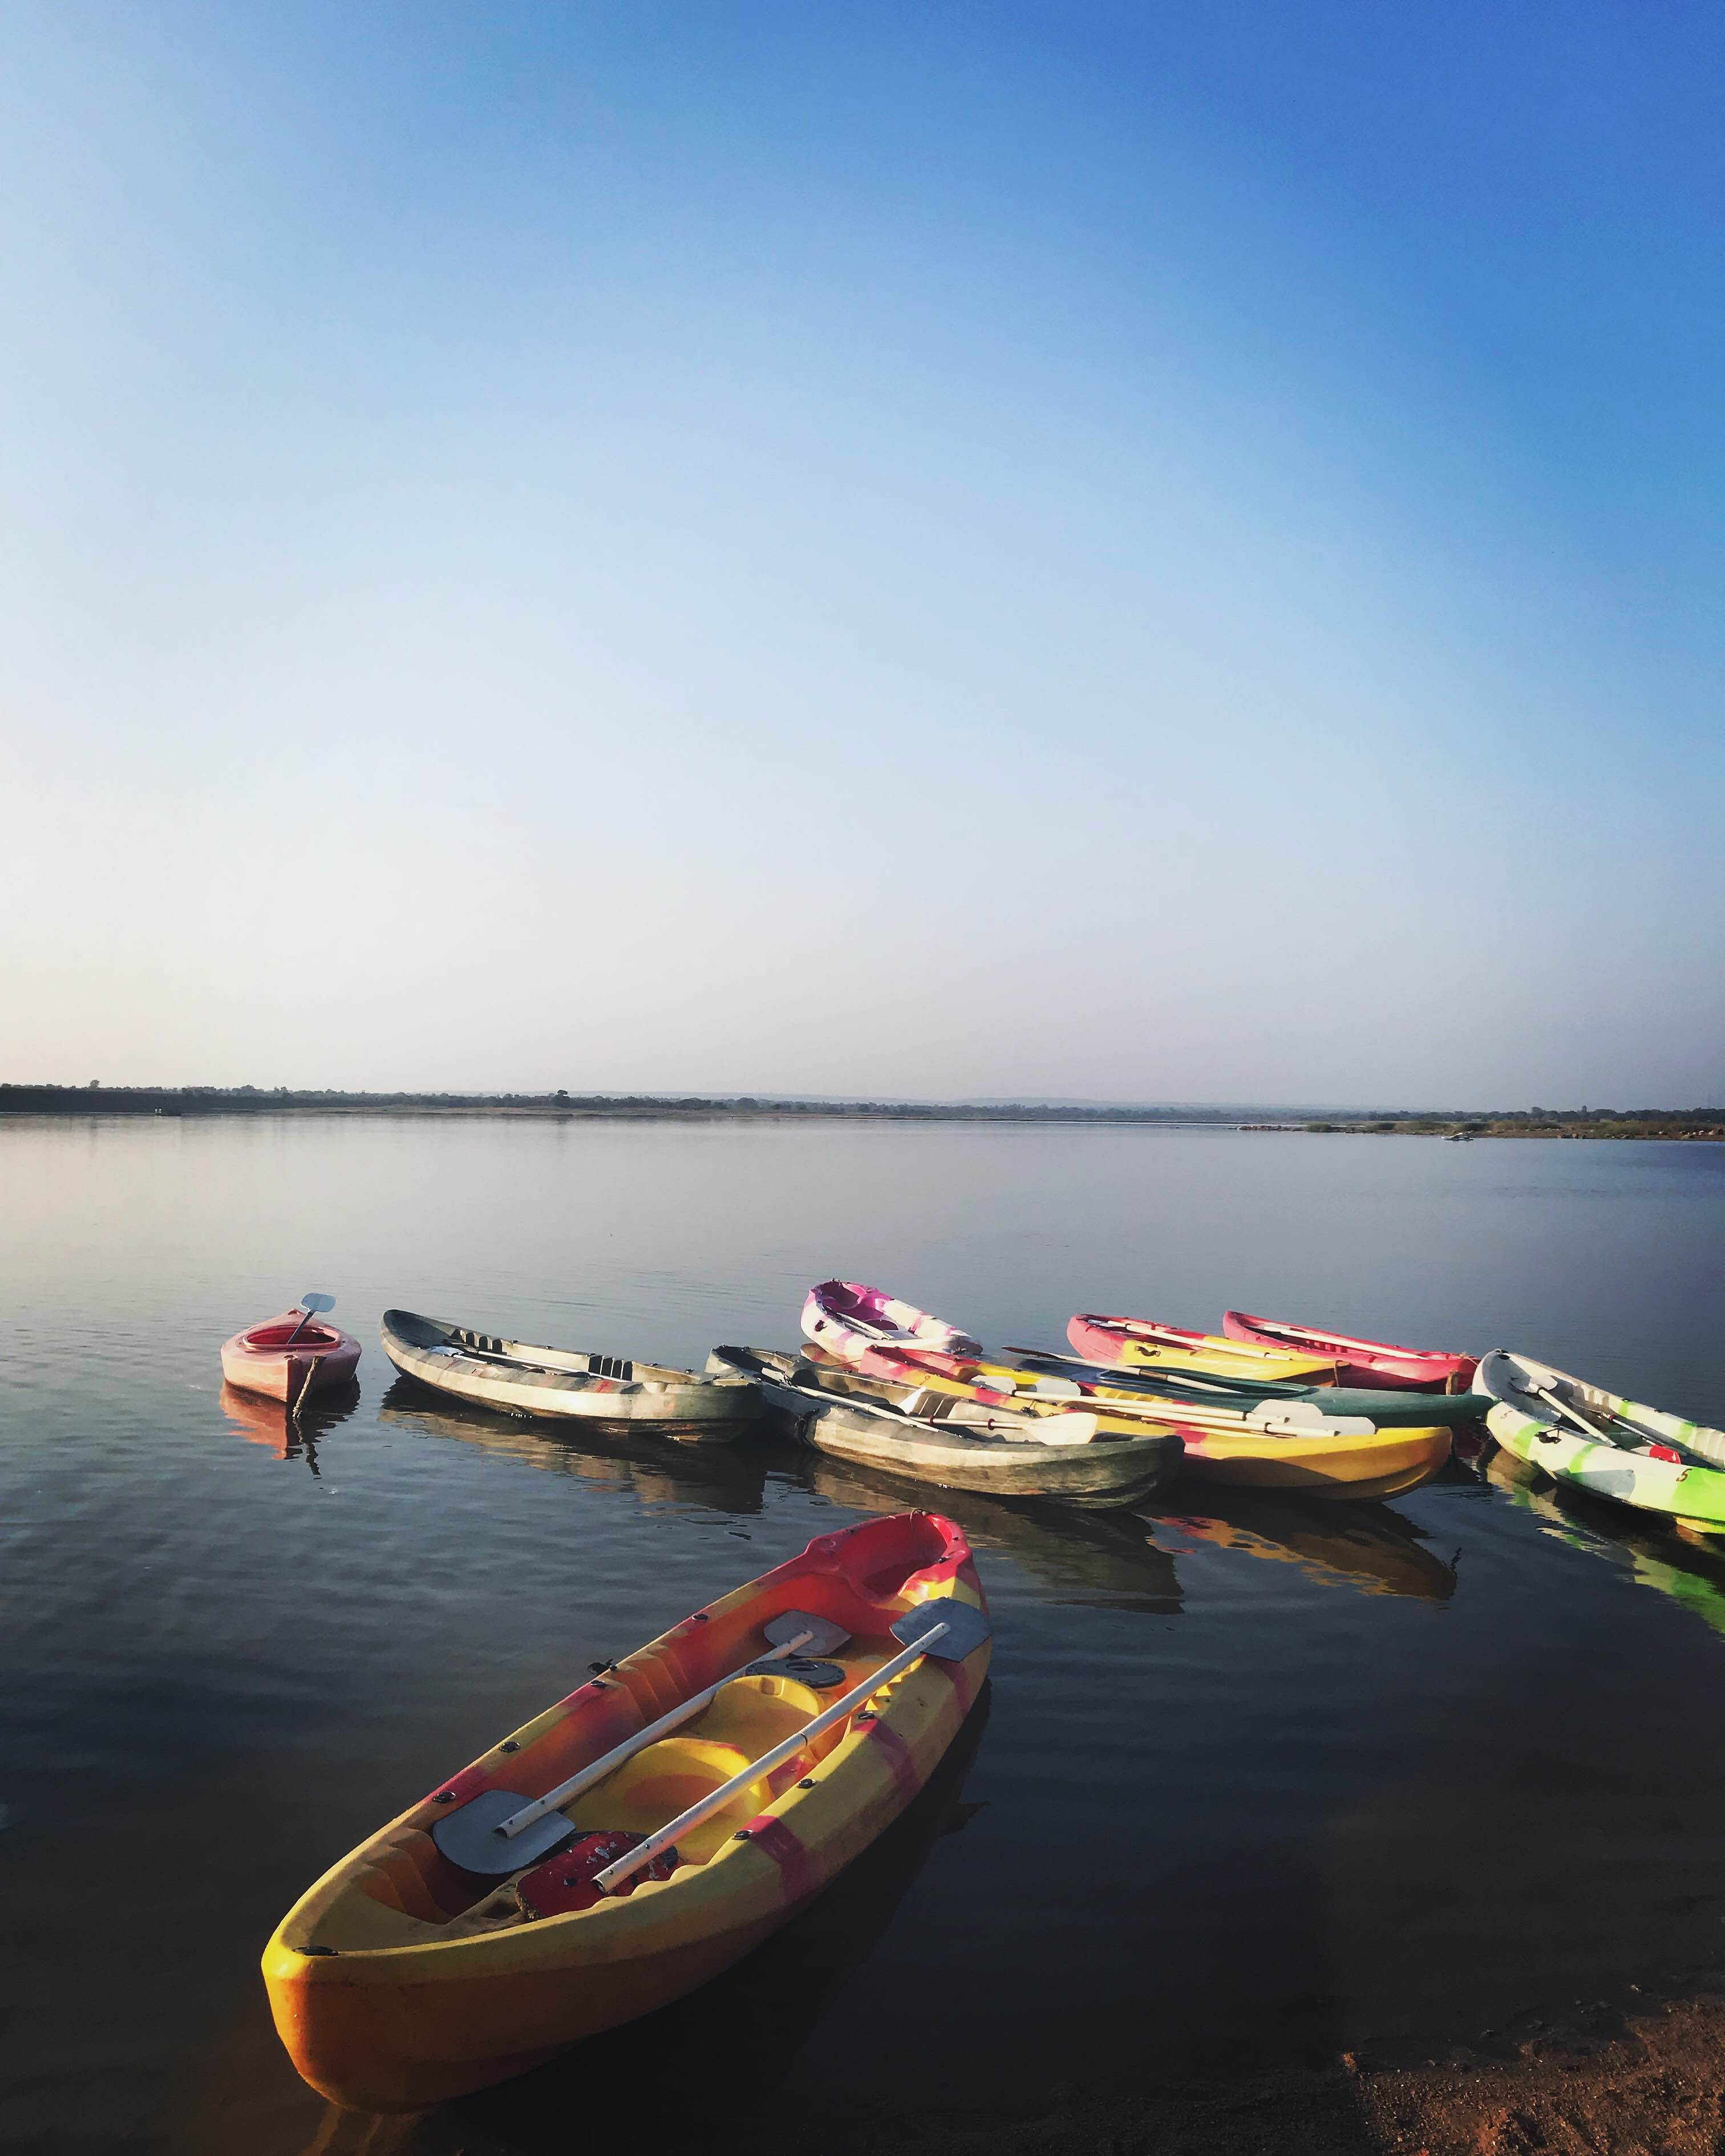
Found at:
<point>495,1832</point>
<point>961,1631</point>
<point>1274,1417</point>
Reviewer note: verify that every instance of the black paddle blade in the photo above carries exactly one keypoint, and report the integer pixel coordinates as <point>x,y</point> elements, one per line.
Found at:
<point>967,1627</point>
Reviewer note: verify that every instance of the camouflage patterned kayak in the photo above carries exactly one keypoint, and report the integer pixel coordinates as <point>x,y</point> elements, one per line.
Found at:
<point>1593,1441</point>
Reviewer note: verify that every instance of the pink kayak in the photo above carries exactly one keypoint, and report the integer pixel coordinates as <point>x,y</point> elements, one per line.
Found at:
<point>875,1332</point>
<point>288,1359</point>
<point>1357,1362</point>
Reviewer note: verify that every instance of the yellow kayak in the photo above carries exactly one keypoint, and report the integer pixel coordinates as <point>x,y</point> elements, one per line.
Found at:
<point>1381,1464</point>
<point>438,1956</point>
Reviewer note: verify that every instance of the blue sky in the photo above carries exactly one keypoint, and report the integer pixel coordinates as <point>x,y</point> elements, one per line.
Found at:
<point>1137,553</point>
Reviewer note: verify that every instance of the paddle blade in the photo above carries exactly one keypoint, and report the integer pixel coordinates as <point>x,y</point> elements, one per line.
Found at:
<point>469,1837</point>
<point>825,1637</point>
<point>967,1627</point>
<point>1288,1414</point>
<point>313,1303</point>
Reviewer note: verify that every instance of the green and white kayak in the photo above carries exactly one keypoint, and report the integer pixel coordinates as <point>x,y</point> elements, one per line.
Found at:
<point>1610,1447</point>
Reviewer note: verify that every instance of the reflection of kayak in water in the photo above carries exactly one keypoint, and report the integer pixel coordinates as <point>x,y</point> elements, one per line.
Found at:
<point>658,1469</point>
<point>617,2084</point>
<point>288,1436</point>
<point>1693,1577</point>
<point>1368,1547</point>
<point>1099,1559</point>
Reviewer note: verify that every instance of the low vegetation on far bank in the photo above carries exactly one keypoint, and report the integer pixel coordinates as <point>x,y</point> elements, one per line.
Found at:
<point>97,1100</point>
<point>1542,1123</point>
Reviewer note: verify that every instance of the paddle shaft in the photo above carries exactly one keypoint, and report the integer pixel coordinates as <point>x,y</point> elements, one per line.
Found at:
<point>716,1801</point>
<point>893,1413</point>
<point>597,1772</point>
<point>1574,1414</point>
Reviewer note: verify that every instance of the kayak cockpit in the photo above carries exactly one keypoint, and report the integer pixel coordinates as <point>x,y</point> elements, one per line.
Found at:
<point>402,1891</point>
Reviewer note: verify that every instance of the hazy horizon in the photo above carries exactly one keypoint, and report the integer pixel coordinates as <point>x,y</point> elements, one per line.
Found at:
<point>1014,553</point>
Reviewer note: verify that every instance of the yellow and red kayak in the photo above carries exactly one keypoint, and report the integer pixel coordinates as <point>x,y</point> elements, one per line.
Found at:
<point>1144,1343</point>
<point>404,1978</point>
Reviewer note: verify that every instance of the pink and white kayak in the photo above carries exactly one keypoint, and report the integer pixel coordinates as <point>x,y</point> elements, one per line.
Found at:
<point>1357,1362</point>
<point>875,1332</point>
<point>288,1359</point>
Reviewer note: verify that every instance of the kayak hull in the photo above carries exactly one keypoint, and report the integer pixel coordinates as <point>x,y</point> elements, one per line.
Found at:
<point>1384,1464</point>
<point>1361,1362</point>
<point>398,1981</point>
<point>260,1359</point>
<point>563,1385</point>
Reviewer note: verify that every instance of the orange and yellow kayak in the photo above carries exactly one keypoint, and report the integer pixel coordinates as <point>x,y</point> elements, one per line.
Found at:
<point>401,1978</point>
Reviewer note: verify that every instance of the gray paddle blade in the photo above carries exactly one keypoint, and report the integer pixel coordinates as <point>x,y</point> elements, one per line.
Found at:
<point>966,1627</point>
<point>471,1837</point>
<point>313,1303</point>
<point>825,1637</point>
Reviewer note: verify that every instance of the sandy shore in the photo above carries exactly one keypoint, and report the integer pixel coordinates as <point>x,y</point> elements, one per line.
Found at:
<point>1648,2083</point>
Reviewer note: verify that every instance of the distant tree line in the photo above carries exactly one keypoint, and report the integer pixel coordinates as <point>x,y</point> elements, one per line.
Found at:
<point>96,1099</point>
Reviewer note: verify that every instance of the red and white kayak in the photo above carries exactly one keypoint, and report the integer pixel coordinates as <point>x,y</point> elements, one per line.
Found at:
<point>289,1358</point>
<point>1357,1362</point>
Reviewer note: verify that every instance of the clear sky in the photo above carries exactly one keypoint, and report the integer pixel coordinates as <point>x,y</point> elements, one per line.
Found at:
<point>1135,552</point>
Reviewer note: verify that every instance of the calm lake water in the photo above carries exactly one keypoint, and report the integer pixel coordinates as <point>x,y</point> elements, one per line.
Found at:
<point>1254,1783</point>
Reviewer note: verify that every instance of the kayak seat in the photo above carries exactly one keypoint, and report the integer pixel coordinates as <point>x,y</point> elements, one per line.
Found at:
<point>564,1882</point>
<point>750,1715</point>
<point>280,1331</point>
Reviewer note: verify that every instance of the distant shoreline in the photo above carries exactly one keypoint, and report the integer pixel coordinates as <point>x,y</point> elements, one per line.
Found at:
<point>204,1101</point>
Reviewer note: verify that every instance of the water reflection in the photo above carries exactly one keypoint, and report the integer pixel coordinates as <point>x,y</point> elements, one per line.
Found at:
<point>705,2072</point>
<point>658,1469</point>
<point>1367,1547</point>
<point>288,1435</point>
<point>1691,1573</point>
<point>1096,1560</point>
